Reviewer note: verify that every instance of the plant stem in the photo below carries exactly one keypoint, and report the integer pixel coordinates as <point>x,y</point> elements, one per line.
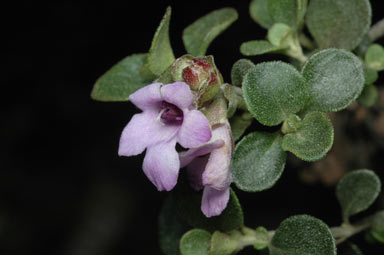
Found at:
<point>346,230</point>
<point>376,31</point>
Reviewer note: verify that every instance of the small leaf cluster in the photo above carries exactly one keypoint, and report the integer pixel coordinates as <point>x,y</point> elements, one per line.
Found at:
<point>139,70</point>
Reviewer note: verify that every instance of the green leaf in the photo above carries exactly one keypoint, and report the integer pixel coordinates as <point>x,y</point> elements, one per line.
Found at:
<point>262,238</point>
<point>160,55</point>
<point>278,33</point>
<point>239,124</point>
<point>313,138</point>
<point>335,79</point>
<point>222,244</point>
<point>369,96</point>
<point>171,228</point>
<point>274,90</point>
<point>356,191</point>
<point>303,234</point>
<point>259,13</point>
<point>290,12</point>
<point>121,80</point>
<point>370,75</point>
<point>374,57</point>
<point>239,69</point>
<point>258,161</point>
<point>200,34</point>
<point>195,242</point>
<point>188,203</point>
<point>338,23</point>
<point>166,77</point>
<point>377,230</point>
<point>258,47</point>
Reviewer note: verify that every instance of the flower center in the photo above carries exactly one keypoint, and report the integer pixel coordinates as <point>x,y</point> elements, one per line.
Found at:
<point>171,114</point>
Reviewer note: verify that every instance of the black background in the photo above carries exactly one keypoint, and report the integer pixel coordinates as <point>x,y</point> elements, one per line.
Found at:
<point>63,189</point>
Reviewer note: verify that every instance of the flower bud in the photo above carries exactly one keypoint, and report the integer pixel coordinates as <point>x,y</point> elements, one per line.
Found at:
<point>201,74</point>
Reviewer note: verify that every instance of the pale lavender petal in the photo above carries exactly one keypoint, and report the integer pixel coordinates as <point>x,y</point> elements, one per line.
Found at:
<point>214,201</point>
<point>161,165</point>
<point>148,97</point>
<point>195,129</point>
<point>187,156</point>
<point>195,170</point>
<point>177,93</point>
<point>143,130</point>
<point>135,136</point>
<point>217,172</point>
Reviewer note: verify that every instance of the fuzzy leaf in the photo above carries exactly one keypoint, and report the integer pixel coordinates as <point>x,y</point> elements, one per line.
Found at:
<point>338,23</point>
<point>188,203</point>
<point>335,79</point>
<point>171,228</point>
<point>312,140</point>
<point>370,75</point>
<point>121,80</point>
<point>303,234</point>
<point>274,90</point>
<point>195,242</point>
<point>369,96</point>
<point>239,69</point>
<point>222,244</point>
<point>356,191</point>
<point>160,55</point>
<point>239,124</point>
<point>290,12</point>
<point>374,57</point>
<point>258,47</point>
<point>258,161</point>
<point>200,34</point>
<point>278,33</point>
<point>259,13</point>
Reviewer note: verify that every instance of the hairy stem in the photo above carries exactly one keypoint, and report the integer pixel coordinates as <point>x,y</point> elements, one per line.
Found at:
<point>346,230</point>
<point>376,31</point>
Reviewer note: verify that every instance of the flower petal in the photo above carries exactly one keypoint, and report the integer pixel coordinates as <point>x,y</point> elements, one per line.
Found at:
<point>214,201</point>
<point>195,171</point>
<point>177,93</point>
<point>195,129</point>
<point>217,172</point>
<point>187,156</point>
<point>148,97</point>
<point>161,165</point>
<point>134,138</point>
<point>143,130</point>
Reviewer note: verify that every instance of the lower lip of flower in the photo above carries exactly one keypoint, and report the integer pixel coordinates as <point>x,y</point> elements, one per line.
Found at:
<point>170,114</point>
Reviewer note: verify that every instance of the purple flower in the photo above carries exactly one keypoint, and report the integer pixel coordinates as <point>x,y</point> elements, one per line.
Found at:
<point>209,168</point>
<point>168,117</point>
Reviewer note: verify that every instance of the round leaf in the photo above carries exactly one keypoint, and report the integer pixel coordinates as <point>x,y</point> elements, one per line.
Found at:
<point>258,47</point>
<point>335,79</point>
<point>195,242</point>
<point>200,34</point>
<point>370,75</point>
<point>259,13</point>
<point>290,12</point>
<point>374,57</point>
<point>171,228</point>
<point>277,33</point>
<point>369,96</point>
<point>188,203</point>
<point>258,161</point>
<point>274,90</point>
<point>239,69</point>
<point>313,139</point>
<point>303,234</point>
<point>356,191</point>
<point>338,23</point>
<point>121,80</point>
